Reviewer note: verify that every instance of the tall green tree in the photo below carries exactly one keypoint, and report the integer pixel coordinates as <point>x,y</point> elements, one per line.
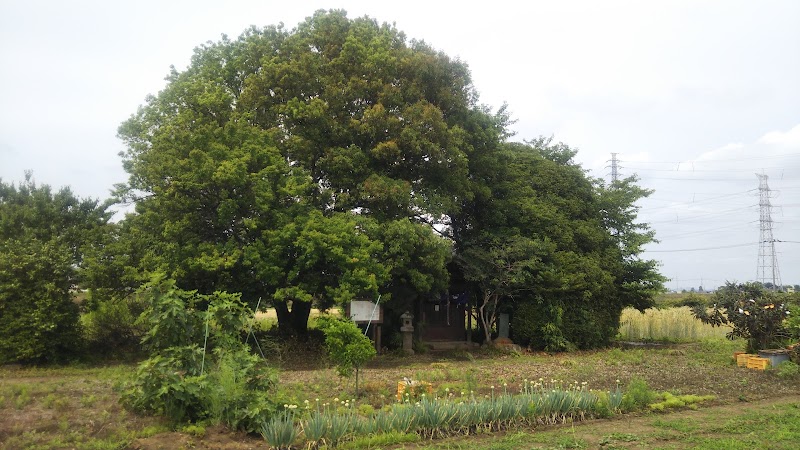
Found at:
<point>318,164</point>
<point>43,238</point>
<point>542,216</point>
<point>263,142</point>
<point>638,278</point>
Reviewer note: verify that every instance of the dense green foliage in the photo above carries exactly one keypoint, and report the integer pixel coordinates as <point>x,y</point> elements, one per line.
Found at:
<point>250,165</point>
<point>199,367</point>
<point>539,232</point>
<point>44,236</point>
<point>38,319</point>
<point>112,328</point>
<point>753,313</point>
<point>337,161</point>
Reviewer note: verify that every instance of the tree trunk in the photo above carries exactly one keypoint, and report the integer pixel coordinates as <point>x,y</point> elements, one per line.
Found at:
<point>294,321</point>
<point>487,315</point>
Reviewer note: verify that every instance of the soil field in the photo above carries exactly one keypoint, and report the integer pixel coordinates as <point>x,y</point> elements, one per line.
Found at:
<point>78,407</point>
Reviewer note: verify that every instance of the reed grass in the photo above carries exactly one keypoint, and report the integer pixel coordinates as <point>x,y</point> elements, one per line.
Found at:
<point>675,324</point>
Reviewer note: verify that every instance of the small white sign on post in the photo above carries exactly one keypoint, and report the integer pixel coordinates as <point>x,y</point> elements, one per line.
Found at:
<point>364,311</point>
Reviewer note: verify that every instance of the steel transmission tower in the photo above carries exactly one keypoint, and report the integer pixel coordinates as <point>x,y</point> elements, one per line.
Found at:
<point>767,258</point>
<point>614,168</point>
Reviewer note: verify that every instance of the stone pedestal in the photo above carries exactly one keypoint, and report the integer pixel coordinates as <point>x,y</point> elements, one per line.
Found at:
<point>408,333</point>
<point>503,341</point>
<point>502,326</point>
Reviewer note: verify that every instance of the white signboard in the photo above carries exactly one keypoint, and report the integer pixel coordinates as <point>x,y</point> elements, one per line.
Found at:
<point>364,311</point>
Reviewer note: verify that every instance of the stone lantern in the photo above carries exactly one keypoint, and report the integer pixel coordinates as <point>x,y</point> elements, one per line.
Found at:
<point>408,333</point>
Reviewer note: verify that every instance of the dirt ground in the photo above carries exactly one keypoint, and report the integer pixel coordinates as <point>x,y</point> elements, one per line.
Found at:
<point>85,400</point>
<point>681,369</point>
<point>590,431</point>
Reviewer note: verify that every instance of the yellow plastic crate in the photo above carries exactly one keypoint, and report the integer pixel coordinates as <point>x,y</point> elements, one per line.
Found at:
<point>741,359</point>
<point>755,362</point>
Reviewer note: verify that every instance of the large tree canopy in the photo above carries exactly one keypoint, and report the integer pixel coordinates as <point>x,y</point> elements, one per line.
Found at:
<point>252,161</point>
<point>338,160</point>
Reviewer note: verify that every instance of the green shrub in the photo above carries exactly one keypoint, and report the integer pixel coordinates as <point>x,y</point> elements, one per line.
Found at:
<point>112,327</point>
<point>695,300</point>
<point>347,346</point>
<point>602,408</point>
<point>792,322</point>
<point>788,369</point>
<point>637,395</point>
<point>222,382</point>
<point>752,312</point>
<point>38,319</point>
<point>170,317</point>
<point>242,392</point>
<point>539,326</point>
<point>794,354</point>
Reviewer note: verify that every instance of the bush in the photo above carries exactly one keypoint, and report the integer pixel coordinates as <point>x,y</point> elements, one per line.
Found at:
<point>694,300</point>
<point>788,369</point>
<point>112,327</point>
<point>793,322</point>
<point>539,326</point>
<point>752,312</point>
<point>222,381</point>
<point>637,395</point>
<point>39,322</point>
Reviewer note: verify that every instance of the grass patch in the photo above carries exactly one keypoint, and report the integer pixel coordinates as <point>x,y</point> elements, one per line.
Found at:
<point>66,407</point>
<point>380,440</point>
<point>671,401</point>
<point>77,406</point>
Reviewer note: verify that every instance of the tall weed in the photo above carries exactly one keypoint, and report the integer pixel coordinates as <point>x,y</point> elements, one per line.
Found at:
<point>670,324</point>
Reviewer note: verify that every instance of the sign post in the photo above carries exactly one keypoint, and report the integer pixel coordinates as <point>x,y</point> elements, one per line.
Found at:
<point>366,312</point>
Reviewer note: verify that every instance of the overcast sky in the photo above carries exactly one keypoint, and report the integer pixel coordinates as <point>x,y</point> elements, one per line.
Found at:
<point>694,96</point>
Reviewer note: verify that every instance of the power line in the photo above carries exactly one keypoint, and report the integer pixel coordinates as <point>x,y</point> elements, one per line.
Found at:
<point>701,249</point>
<point>715,161</point>
<point>704,215</point>
<point>723,180</point>
<point>693,170</point>
<point>729,228</point>
<point>693,202</point>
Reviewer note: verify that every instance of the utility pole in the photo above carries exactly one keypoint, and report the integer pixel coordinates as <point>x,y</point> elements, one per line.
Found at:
<point>767,270</point>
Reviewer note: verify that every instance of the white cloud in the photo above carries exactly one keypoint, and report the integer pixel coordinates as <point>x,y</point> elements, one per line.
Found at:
<point>790,139</point>
<point>727,151</point>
